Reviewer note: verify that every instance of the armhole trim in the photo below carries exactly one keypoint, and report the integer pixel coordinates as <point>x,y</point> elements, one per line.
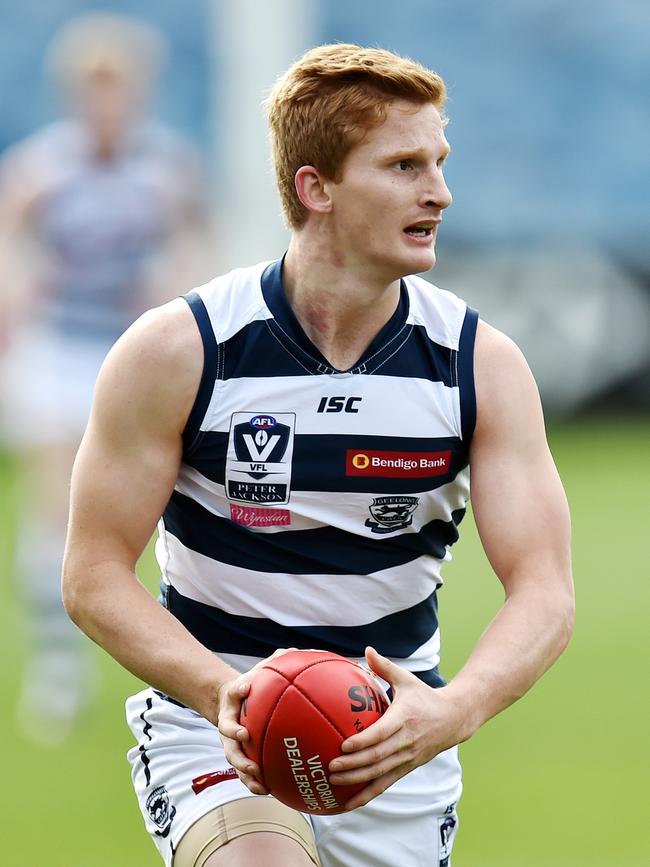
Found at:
<point>466,375</point>
<point>192,431</point>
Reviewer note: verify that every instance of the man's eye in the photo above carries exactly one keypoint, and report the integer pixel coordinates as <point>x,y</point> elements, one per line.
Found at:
<point>404,165</point>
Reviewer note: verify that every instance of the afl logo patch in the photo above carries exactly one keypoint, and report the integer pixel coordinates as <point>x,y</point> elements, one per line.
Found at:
<point>259,457</point>
<point>263,421</point>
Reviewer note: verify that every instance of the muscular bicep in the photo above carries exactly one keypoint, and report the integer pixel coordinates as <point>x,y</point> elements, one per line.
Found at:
<point>518,500</point>
<point>119,489</point>
<point>128,461</point>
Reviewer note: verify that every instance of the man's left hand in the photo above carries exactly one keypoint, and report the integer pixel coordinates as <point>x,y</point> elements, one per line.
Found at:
<point>420,723</point>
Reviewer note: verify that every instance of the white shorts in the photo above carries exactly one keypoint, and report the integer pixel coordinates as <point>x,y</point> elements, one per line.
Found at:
<point>180,773</point>
<point>46,387</point>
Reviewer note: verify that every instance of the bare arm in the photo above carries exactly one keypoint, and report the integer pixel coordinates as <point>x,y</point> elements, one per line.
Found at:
<point>123,477</point>
<point>522,517</point>
<point>523,520</point>
<point>20,188</point>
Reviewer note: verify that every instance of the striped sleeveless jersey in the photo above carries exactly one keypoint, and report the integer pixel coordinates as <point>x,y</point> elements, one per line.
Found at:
<point>102,222</point>
<point>314,508</point>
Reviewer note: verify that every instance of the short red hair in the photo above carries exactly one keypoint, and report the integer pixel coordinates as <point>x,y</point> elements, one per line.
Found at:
<point>326,102</point>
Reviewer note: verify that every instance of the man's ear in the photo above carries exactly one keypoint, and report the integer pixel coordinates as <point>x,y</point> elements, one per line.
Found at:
<point>312,190</point>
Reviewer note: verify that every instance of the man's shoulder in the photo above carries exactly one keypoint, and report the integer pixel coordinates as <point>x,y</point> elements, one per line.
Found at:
<point>157,363</point>
<point>36,158</point>
<point>235,278</point>
<point>439,311</point>
<point>505,385</point>
<point>158,138</point>
<point>233,299</point>
<point>165,333</point>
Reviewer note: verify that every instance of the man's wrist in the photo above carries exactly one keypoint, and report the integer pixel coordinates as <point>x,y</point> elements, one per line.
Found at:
<point>209,686</point>
<point>467,709</point>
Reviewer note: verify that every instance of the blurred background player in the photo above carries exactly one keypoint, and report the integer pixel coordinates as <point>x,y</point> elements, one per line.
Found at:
<point>100,215</point>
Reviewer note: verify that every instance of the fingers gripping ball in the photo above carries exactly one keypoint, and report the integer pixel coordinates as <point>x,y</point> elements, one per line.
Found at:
<point>301,706</point>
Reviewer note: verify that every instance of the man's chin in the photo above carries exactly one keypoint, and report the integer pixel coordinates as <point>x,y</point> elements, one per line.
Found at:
<point>401,266</point>
<point>420,263</point>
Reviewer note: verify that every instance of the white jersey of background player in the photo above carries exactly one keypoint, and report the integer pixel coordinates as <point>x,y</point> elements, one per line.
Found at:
<point>96,216</point>
<point>359,147</point>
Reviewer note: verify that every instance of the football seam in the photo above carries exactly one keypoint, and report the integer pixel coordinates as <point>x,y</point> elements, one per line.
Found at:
<point>271,715</point>
<point>320,711</point>
<point>304,694</point>
<point>268,723</point>
<point>311,665</point>
<point>311,702</point>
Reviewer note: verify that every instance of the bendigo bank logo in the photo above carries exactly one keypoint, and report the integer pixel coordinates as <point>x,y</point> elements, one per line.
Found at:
<point>396,465</point>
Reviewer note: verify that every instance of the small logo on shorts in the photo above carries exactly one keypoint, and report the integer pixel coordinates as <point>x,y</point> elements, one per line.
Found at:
<point>199,784</point>
<point>447,829</point>
<point>159,809</point>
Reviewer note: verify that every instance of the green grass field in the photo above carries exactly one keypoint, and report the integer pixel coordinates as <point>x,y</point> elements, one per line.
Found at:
<point>559,780</point>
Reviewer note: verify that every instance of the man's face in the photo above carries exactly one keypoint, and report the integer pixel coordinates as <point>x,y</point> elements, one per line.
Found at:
<point>106,99</point>
<point>389,202</point>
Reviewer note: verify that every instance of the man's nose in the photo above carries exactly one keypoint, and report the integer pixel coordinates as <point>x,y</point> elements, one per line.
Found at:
<point>437,193</point>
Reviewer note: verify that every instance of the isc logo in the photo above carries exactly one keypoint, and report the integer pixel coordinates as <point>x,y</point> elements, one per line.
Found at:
<point>338,404</point>
<point>366,698</point>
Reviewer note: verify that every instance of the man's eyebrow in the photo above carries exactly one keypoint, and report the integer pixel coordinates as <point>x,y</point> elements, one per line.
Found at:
<point>407,152</point>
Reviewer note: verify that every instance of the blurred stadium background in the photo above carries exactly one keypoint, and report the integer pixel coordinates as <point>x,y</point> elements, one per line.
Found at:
<point>548,237</point>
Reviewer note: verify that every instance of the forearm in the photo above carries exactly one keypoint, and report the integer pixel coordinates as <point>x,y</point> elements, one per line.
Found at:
<point>524,639</point>
<point>112,607</point>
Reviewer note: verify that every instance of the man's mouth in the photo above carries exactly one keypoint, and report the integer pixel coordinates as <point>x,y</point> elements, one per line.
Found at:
<point>420,230</point>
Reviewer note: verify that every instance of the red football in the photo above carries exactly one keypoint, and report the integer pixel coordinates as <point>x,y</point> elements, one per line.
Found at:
<point>301,706</point>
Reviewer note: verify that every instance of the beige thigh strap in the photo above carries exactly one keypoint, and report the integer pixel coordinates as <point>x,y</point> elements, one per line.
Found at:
<point>236,818</point>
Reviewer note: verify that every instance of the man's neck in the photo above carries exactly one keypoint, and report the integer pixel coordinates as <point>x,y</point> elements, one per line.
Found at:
<point>341,309</point>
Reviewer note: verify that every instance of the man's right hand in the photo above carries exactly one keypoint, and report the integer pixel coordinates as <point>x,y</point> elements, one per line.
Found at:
<point>233,734</point>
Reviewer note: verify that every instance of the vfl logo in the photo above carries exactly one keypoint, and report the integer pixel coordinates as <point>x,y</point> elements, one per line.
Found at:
<point>158,808</point>
<point>391,513</point>
<point>256,446</point>
<point>260,446</point>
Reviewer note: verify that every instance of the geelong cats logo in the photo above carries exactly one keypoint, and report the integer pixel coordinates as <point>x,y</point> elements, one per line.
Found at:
<point>391,513</point>
<point>160,811</point>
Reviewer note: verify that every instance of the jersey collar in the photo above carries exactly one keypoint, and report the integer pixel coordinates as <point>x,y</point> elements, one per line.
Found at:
<point>289,332</point>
